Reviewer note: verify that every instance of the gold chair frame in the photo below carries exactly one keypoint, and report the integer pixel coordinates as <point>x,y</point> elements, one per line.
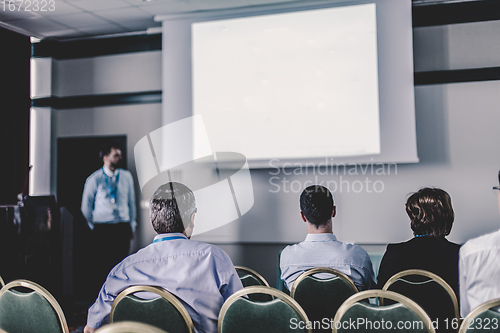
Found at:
<point>129,326</point>
<point>252,272</point>
<point>261,290</point>
<point>477,311</point>
<point>317,270</point>
<point>160,292</point>
<point>430,275</point>
<point>384,294</point>
<point>43,292</point>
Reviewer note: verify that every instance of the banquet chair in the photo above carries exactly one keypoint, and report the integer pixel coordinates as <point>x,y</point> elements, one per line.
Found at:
<point>321,297</point>
<point>164,311</point>
<point>370,318</point>
<point>240,314</point>
<point>31,310</point>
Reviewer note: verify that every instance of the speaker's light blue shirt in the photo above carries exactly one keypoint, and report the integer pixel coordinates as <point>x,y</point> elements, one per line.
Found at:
<point>97,206</point>
<point>200,275</point>
<point>324,250</point>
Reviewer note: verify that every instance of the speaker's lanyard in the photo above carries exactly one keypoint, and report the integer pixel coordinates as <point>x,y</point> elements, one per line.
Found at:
<point>112,191</point>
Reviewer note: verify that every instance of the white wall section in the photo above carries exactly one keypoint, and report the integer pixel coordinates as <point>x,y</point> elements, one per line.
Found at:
<point>40,151</point>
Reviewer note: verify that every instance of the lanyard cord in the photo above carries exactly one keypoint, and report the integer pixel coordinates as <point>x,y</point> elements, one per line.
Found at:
<point>112,191</point>
<point>167,238</point>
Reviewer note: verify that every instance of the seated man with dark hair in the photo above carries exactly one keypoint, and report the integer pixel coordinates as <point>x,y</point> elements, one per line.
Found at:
<point>200,275</point>
<point>321,248</point>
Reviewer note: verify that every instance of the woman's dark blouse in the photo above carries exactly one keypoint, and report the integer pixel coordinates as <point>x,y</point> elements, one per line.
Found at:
<point>436,255</point>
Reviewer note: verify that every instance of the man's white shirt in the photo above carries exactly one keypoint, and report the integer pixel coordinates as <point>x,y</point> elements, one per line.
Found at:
<point>479,270</point>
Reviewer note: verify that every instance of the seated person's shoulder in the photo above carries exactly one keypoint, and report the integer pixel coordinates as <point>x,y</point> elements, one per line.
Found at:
<point>481,243</point>
<point>290,248</point>
<point>354,253</point>
<point>290,251</point>
<point>355,249</point>
<point>292,254</point>
<point>406,245</point>
<point>455,247</point>
<point>396,251</point>
<point>395,246</point>
<point>208,249</point>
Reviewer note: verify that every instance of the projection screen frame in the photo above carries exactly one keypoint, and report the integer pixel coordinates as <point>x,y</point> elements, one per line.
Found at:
<point>395,70</point>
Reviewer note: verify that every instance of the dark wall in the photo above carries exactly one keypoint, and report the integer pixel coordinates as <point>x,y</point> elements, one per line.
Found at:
<point>15,53</point>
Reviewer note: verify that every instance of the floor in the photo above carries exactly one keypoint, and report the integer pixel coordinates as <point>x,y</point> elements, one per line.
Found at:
<point>77,316</point>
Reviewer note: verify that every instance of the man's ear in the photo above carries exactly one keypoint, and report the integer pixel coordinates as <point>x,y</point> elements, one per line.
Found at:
<point>334,212</point>
<point>303,217</point>
<point>191,222</point>
<point>188,231</point>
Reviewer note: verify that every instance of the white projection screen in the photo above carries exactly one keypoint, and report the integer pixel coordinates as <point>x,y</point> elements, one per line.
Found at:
<point>330,81</point>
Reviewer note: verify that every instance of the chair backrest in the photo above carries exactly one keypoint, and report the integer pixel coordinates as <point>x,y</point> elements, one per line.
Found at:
<point>30,312</point>
<point>129,327</point>
<point>165,312</point>
<point>1,283</point>
<point>243,315</point>
<point>248,278</point>
<point>430,291</point>
<point>484,318</point>
<point>403,316</point>
<point>321,298</point>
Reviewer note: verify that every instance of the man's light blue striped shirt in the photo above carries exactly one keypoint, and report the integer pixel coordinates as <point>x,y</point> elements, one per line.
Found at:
<point>200,275</point>
<point>324,250</point>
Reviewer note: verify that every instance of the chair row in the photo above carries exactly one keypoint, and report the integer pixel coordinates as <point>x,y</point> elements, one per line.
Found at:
<point>269,307</point>
<point>284,314</point>
<point>328,301</point>
<point>417,285</point>
<point>37,311</point>
<point>271,311</point>
<point>428,290</point>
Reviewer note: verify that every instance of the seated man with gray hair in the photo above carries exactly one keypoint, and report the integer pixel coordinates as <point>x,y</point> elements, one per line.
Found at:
<point>200,275</point>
